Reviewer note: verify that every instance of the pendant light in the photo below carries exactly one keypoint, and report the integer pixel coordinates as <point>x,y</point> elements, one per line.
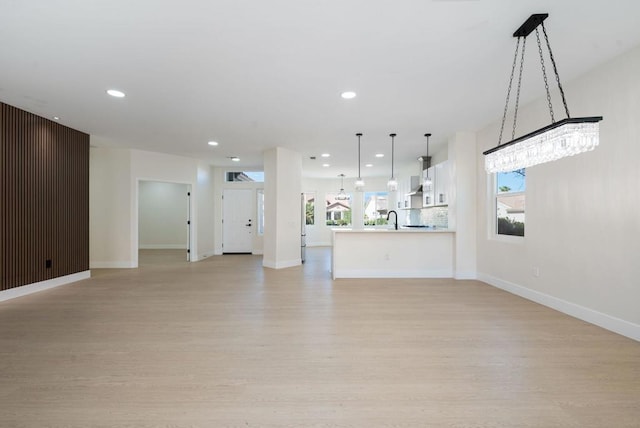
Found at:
<point>426,183</point>
<point>342,196</point>
<point>359,185</point>
<point>566,137</point>
<point>392,184</point>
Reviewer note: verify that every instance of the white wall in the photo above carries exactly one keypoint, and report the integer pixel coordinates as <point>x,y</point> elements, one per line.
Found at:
<point>582,213</point>
<point>282,213</point>
<point>205,210</point>
<point>163,211</point>
<point>109,208</point>
<point>114,178</point>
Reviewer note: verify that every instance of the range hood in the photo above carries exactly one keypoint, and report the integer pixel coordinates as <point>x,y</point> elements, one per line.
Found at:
<point>416,189</point>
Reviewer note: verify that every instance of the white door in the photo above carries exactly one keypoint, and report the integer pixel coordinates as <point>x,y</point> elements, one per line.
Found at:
<point>237,221</point>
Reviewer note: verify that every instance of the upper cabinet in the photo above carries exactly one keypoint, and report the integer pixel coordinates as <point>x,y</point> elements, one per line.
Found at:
<point>442,183</point>
<point>436,193</point>
<point>412,196</point>
<point>428,188</point>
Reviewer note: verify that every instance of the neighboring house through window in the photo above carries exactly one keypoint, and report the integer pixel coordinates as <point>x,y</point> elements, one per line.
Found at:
<point>338,211</point>
<point>510,202</point>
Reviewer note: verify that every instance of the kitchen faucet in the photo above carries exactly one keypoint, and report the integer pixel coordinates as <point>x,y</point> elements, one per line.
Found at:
<point>396,222</point>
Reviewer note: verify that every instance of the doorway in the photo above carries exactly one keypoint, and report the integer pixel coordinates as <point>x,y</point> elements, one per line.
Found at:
<point>237,221</point>
<point>164,221</point>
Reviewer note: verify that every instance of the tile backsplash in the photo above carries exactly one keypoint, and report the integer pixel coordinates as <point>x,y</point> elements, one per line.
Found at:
<point>436,216</point>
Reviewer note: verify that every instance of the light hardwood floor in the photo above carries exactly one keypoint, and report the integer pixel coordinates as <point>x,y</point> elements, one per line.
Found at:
<point>226,343</point>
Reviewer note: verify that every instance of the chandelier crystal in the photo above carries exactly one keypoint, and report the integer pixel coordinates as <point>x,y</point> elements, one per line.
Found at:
<point>565,138</point>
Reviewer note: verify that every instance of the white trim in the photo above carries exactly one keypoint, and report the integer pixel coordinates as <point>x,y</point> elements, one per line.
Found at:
<point>162,247</point>
<point>600,319</point>
<point>465,275</point>
<point>24,290</point>
<point>282,264</point>
<point>112,265</point>
<point>384,273</point>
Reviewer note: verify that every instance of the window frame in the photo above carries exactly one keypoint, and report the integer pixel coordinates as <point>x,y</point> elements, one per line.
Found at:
<point>493,219</point>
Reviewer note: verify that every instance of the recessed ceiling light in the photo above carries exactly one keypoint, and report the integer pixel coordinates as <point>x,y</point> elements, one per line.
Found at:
<point>326,165</point>
<point>56,118</point>
<point>348,95</point>
<point>212,143</point>
<point>369,165</point>
<point>115,93</point>
<point>325,155</point>
<point>379,155</point>
<point>234,158</point>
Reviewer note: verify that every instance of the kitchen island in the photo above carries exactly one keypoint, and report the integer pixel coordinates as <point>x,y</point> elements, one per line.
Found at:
<point>389,253</point>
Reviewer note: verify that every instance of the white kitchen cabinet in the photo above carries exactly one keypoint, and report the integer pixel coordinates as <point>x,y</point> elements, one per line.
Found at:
<point>428,188</point>
<point>412,201</point>
<point>442,183</point>
<point>438,192</point>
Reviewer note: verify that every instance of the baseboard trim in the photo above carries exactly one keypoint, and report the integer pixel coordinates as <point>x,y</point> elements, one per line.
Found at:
<point>43,285</point>
<point>112,265</point>
<point>465,275</point>
<point>162,247</point>
<point>600,319</point>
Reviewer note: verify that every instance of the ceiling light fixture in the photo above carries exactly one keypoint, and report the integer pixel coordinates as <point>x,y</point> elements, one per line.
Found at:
<point>234,158</point>
<point>359,182</point>
<point>369,165</point>
<point>56,118</point>
<point>212,143</point>
<point>379,155</point>
<point>326,165</point>
<point>566,137</point>
<point>342,196</point>
<point>348,95</point>
<point>325,155</point>
<point>426,182</point>
<point>392,184</point>
<point>116,93</point>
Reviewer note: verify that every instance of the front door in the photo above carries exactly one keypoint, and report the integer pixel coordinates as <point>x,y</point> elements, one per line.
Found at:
<point>237,221</point>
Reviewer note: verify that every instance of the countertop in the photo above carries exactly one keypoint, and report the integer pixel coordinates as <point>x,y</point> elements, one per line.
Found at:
<point>391,230</point>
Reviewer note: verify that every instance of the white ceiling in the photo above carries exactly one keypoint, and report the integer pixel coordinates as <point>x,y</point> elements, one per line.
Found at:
<point>257,74</point>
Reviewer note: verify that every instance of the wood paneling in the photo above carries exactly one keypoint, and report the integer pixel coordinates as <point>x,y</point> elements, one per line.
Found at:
<point>44,206</point>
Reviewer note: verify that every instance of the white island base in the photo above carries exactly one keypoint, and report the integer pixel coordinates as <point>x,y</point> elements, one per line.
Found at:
<point>384,253</point>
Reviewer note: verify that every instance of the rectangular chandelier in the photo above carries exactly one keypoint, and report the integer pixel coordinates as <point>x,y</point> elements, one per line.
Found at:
<point>563,138</point>
<point>567,137</point>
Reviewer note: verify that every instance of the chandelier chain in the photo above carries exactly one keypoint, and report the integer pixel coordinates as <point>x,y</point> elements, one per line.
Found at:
<point>515,112</point>
<point>506,104</point>
<point>555,70</point>
<point>544,75</point>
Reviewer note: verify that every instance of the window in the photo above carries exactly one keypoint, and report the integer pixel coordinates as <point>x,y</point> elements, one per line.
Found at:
<point>309,208</point>
<point>260,195</point>
<point>338,211</point>
<point>376,207</point>
<point>509,191</point>
<point>254,176</point>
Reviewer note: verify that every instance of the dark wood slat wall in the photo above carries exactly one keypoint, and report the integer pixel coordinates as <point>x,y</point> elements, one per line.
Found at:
<point>44,201</point>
